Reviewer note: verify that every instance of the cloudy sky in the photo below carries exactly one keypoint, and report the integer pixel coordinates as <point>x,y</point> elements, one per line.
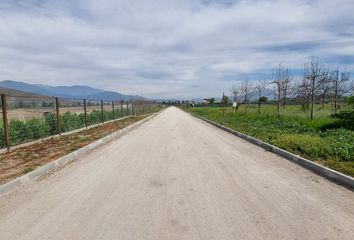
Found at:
<point>169,48</point>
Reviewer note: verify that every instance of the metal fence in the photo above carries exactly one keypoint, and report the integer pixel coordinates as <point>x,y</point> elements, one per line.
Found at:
<point>24,118</point>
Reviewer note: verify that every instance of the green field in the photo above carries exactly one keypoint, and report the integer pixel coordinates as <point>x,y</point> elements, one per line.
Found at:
<point>325,140</point>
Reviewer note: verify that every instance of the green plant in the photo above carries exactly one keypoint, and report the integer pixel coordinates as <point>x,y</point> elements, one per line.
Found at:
<point>310,146</point>
<point>323,139</point>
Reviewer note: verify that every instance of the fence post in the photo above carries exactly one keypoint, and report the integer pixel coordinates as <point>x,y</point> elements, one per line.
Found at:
<point>113,110</point>
<point>127,108</point>
<point>58,115</point>
<point>133,109</point>
<point>223,105</point>
<point>6,123</point>
<point>121,108</point>
<point>85,114</point>
<point>102,111</point>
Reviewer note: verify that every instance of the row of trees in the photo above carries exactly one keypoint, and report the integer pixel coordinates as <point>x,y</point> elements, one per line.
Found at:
<point>319,84</point>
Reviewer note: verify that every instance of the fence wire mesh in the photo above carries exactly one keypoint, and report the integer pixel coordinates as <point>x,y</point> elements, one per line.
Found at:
<point>31,118</point>
<point>71,113</point>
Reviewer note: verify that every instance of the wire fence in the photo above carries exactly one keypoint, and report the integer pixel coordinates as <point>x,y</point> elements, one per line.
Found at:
<point>25,119</point>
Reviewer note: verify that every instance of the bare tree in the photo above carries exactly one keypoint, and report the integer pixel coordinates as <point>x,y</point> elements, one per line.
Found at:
<point>246,89</point>
<point>235,90</point>
<point>303,93</point>
<point>325,91</point>
<point>260,87</point>
<point>286,83</point>
<point>316,75</point>
<point>340,86</point>
<point>281,80</point>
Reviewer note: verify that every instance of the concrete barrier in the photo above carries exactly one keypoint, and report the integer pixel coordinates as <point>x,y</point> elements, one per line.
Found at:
<point>320,170</point>
<point>68,158</point>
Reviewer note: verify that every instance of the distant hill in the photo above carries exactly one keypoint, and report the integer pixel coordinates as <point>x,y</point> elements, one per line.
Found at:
<point>76,91</point>
<point>17,93</point>
<point>269,93</point>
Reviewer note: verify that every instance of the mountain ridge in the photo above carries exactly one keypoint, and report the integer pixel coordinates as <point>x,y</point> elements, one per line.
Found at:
<point>74,91</point>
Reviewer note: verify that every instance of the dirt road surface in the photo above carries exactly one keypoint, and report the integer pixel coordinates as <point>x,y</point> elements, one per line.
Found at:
<point>176,177</point>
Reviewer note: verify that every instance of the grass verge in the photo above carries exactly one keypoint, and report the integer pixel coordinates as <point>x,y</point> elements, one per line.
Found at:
<point>333,148</point>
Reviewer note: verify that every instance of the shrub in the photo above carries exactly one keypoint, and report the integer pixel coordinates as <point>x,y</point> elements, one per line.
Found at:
<point>24,131</point>
<point>303,144</point>
<point>341,144</point>
<point>71,121</point>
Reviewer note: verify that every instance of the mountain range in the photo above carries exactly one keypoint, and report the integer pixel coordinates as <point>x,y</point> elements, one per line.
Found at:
<point>74,92</point>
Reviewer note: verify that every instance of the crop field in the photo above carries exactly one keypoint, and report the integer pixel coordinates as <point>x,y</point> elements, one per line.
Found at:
<point>324,140</point>
<point>24,114</point>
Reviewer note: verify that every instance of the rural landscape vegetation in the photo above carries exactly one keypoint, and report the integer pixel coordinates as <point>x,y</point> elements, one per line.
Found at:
<point>311,115</point>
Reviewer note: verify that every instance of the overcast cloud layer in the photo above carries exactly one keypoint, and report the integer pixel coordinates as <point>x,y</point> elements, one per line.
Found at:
<point>166,48</point>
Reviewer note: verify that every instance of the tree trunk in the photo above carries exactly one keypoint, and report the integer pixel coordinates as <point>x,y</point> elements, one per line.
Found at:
<point>312,98</point>
<point>335,99</point>
<point>246,103</point>
<point>259,107</point>
<point>278,105</point>
<point>332,107</point>
<point>335,104</point>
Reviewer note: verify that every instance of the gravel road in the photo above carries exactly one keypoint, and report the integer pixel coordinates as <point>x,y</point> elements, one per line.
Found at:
<point>176,177</point>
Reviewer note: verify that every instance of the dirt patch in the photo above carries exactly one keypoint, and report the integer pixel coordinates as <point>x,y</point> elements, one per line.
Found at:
<point>28,158</point>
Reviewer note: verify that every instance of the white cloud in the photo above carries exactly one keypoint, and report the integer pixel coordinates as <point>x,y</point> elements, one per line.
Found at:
<point>166,48</point>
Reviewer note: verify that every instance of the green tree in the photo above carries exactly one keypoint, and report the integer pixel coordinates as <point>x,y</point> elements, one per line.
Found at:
<point>350,101</point>
<point>346,118</point>
<point>44,104</point>
<point>20,104</point>
<point>224,99</point>
<point>210,100</point>
<point>261,101</point>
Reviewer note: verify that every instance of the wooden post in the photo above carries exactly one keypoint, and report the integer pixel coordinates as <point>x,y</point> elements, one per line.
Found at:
<point>127,108</point>
<point>102,119</point>
<point>113,110</point>
<point>57,115</point>
<point>5,120</point>
<point>223,105</point>
<point>133,108</point>
<point>85,113</point>
<point>121,109</point>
